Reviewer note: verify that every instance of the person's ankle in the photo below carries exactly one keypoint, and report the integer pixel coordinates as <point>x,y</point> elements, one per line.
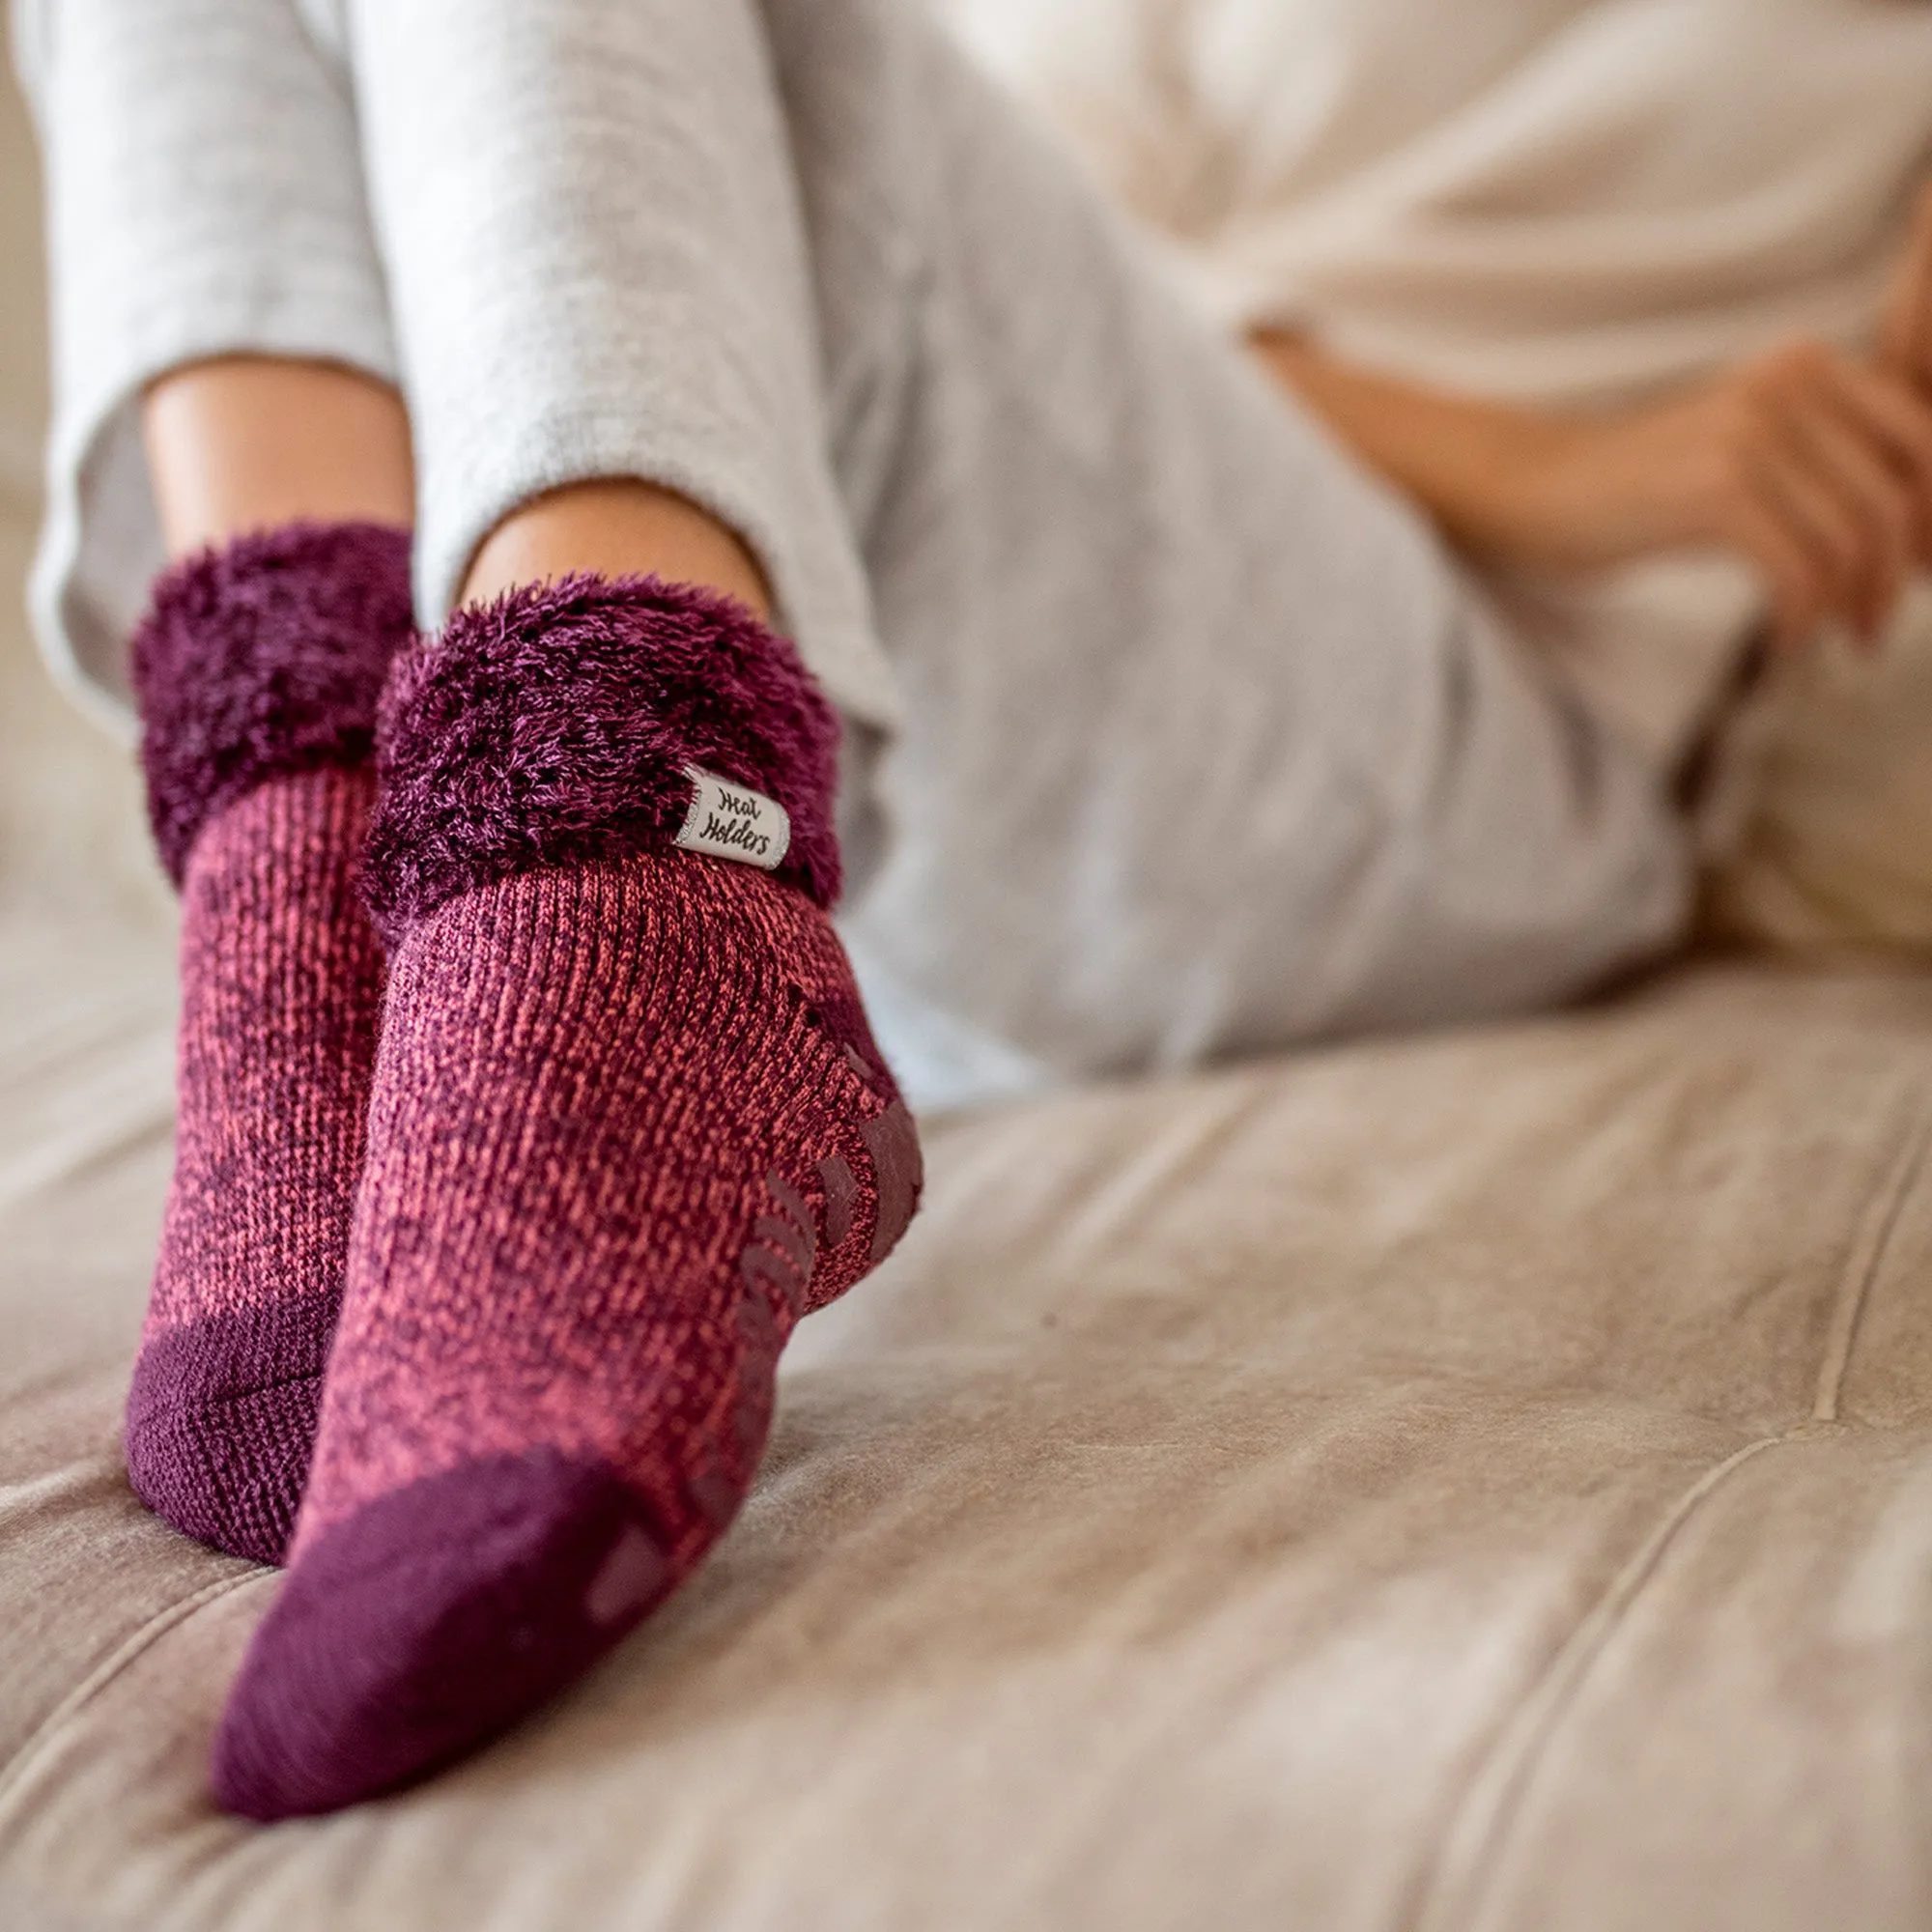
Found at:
<point>616,528</point>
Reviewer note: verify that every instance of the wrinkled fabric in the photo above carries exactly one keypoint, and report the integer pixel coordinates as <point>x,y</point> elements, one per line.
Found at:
<point>1566,203</point>
<point>1171,735</point>
<point>1569,204</point>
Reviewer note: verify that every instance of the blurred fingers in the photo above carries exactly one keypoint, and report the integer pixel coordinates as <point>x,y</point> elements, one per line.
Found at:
<point>1822,524</point>
<point>1905,327</point>
<point>1873,506</point>
<point>1898,419</point>
<point>1798,586</point>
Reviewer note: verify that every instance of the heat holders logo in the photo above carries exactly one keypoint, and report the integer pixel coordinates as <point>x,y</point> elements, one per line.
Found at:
<point>732,821</point>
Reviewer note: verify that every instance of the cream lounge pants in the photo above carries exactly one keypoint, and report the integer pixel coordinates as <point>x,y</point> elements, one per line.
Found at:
<point>1171,734</point>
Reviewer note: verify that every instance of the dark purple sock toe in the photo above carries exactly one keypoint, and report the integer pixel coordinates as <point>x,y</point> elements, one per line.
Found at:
<point>429,1622</point>
<point>221,1422</point>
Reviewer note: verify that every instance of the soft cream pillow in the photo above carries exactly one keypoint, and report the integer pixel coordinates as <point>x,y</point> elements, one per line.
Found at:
<point>1835,848</point>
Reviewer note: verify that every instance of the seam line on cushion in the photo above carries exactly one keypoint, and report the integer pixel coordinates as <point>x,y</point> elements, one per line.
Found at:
<point>1862,1266</point>
<point>15,1773</point>
<point>1472,1846</point>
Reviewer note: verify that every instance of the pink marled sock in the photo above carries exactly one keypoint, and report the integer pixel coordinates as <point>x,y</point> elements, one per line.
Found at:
<point>628,1126</point>
<point>258,669</point>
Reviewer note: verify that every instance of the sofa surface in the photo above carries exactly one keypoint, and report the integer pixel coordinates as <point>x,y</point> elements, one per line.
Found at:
<point>1481,1480</point>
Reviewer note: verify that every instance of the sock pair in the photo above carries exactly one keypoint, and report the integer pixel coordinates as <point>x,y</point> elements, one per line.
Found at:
<point>624,1126</point>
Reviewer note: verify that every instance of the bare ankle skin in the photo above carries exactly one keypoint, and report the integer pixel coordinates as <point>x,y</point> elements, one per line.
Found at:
<point>616,528</point>
<point>246,443</point>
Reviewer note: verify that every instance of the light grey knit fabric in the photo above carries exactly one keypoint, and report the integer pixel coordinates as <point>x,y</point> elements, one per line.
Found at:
<point>1171,734</point>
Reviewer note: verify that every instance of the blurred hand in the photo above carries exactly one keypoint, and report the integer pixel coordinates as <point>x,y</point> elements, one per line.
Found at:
<point>1905,327</point>
<point>1816,465</point>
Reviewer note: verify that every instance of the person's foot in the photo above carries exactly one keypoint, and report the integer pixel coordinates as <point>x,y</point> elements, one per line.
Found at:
<point>628,1126</point>
<point>258,669</point>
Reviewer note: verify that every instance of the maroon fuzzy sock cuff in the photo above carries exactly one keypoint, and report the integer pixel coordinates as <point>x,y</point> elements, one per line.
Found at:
<point>554,726</point>
<point>263,657</point>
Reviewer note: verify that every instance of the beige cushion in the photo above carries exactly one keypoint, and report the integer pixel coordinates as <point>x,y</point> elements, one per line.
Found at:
<point>1835,845</point>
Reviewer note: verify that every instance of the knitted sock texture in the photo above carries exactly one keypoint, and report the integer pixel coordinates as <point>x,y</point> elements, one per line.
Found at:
<point>258,668</point>
<point>628,1126</point>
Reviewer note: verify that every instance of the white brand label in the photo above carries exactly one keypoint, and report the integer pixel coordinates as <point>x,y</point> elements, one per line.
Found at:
<point>732,821</point>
